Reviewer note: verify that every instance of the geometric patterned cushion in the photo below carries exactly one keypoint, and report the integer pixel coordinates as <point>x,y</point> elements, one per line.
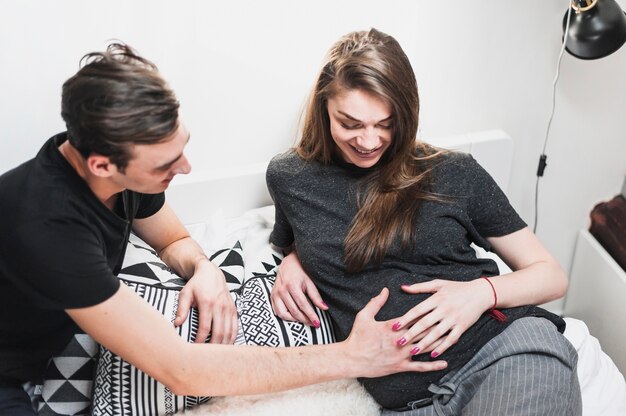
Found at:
<point>142,265</point>
<point>230,261</point>
<point>68,381</point>
<point>260,326</point>
<point>249,264</point>
<point>122,389</point>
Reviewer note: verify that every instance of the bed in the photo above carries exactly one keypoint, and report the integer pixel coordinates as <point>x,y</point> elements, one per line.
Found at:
<point>604,392</point>
<point>230,215</point>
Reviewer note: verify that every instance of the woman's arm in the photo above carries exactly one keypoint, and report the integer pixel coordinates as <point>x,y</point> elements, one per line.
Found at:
<point>537,278</point>
<point>439,321</point>
<point>131,328</point>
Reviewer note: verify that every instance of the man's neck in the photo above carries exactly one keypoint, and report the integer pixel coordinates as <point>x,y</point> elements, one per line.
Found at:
<point>103,189</point>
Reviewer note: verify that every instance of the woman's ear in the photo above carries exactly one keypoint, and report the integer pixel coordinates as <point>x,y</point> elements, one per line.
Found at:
<point>100,166</point>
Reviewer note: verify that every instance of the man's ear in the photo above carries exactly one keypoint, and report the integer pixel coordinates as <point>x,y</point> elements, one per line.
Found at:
<point>100,166</point>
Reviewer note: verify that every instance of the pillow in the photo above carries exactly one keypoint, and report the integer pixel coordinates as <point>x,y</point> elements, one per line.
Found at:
<point>240,248</point>
<point>142,265</point>
<point>68,380</point>
<point>260,326</point>
<point>120,388</point>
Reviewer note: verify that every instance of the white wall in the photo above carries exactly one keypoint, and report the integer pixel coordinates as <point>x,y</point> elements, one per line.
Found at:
<point>242,70</point>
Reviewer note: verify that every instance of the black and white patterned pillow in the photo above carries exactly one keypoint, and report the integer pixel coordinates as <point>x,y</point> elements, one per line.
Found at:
<point>142,265</point>
<point>68,380</point>
<point>260,326</point>
<point>122,389</point>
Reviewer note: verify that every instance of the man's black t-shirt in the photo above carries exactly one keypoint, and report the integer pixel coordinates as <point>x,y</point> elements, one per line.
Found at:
<point>60,248</point>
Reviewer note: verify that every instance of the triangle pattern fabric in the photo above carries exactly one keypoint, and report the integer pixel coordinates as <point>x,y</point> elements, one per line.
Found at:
<point>88,344</point>
<point>140,269</point>
<point>230,260</point>
<point>68,385</point>
<point>76,349</point>
<point>67,393</point>
<point>67,366</point>
<point>53,373</point>
<point>121,388</point>
<point>84,373</point>
<point>230,278</point>
<point>233,259</point>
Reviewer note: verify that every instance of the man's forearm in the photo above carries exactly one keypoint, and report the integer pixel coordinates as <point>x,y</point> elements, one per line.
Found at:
<point>183,256</point>
<point>219,370</point>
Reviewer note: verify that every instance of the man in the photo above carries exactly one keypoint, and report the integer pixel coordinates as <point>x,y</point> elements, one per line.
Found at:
<point>65,217</point>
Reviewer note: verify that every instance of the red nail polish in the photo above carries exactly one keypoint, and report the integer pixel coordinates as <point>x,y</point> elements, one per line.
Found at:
<point>401,341</point>
<point>415,351</point>
<point>325,305</point>
<point>405,286</point>
<point>396,326</point>
<point>434,354</point>
<point>316,323</point>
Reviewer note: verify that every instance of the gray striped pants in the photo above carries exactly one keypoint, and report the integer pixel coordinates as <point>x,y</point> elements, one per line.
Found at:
<point>529,369</point>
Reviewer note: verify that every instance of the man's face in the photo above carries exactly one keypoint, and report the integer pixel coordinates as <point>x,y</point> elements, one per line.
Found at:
<point>153,166</point>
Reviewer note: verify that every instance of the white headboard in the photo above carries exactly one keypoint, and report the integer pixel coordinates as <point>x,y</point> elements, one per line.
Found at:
<point>198,197</point>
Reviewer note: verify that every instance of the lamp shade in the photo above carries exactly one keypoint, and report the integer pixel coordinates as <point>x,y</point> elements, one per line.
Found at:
<point>595,31</point>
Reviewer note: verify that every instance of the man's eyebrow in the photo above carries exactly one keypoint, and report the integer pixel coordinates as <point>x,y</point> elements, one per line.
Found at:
<point>170,163</point>
<point>357,120</point>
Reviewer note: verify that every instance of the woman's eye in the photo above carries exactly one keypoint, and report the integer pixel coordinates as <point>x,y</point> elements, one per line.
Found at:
<point>385,126</point>
<point>350,126</point>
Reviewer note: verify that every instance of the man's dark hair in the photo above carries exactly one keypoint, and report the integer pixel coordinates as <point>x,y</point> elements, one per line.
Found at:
<point>116,99</point>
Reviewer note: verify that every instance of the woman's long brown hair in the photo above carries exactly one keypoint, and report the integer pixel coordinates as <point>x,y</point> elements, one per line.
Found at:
<point>390,196</point>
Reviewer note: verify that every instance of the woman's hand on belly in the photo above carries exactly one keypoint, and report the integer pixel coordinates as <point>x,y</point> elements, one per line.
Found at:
<point>293,293</point>
<point>439,321</point>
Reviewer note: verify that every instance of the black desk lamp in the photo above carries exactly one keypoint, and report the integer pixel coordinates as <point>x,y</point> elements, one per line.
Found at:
<point>597,28</point>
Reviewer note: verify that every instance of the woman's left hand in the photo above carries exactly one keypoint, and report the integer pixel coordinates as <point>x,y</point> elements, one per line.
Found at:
<point>439,321</point>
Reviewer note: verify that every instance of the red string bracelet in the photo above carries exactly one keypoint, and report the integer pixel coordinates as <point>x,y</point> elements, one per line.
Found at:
<point>493,312</point>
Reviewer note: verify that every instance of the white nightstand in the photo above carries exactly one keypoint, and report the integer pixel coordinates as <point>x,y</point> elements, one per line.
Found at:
<point>597,295</point>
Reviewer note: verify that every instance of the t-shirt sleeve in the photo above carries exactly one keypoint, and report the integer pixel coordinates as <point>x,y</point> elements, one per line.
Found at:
<point>60,264</point>
<point>149,204</point>
<point>489,209</point>
<point>282,233</point>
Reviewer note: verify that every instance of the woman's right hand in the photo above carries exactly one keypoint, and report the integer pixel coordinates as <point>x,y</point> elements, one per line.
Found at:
<point>293,293</point>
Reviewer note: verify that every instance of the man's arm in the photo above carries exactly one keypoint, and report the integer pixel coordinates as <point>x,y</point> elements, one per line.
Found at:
<point>206,288</point>
<point>149,342</point>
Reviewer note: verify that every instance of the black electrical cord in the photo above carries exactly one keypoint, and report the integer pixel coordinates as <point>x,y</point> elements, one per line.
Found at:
<point>543,157</point>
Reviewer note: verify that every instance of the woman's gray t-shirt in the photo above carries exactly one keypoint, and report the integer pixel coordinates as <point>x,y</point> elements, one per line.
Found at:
<point>315,205</point>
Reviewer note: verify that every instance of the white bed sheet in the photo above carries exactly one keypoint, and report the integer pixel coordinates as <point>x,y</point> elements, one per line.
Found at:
<point>602,385</point>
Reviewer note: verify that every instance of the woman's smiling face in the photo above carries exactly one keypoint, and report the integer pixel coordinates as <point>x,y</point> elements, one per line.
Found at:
<point>361,126</point>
